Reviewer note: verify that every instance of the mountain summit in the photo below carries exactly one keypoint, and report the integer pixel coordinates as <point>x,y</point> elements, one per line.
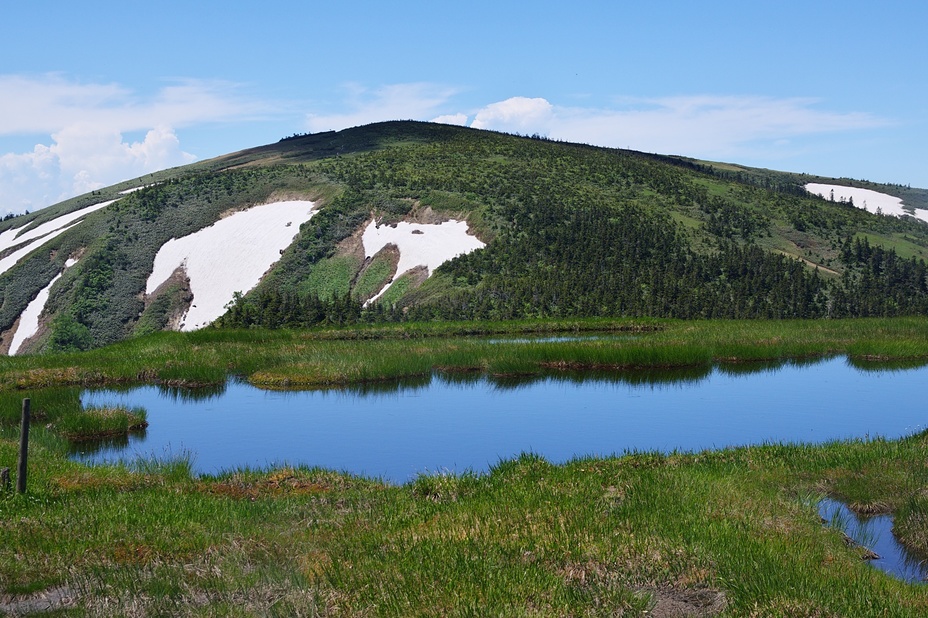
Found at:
<point>410,220</point>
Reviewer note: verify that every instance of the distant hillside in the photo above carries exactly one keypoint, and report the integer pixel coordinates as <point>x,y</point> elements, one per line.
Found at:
<point>539,228</point>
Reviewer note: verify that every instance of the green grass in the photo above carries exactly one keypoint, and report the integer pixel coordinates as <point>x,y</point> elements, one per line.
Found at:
<point>343,356</point>
<point>900,242</point>
<point>377,274</point>
<point>736,528</point>
<point>395,292</point>
<point>94,423</point>
<point>332,276</point>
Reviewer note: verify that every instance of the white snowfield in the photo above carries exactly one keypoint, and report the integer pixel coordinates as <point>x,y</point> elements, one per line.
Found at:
<point>40,235</point>
<point>871,201</point>
<point>229,256</point>
<point>419,244</point>
<point>29,319</point>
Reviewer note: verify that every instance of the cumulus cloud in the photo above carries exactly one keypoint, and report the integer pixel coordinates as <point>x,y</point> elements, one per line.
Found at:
<point>81,159</point>
<point>706,126</point>
<point>517,115</point>
<point>82,130</point>
<point>458,119</point>
<point>417,101</point>
<point>698,125</point>
<point>81,133</point>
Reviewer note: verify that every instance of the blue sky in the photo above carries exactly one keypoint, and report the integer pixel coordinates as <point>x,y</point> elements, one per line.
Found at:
<point>96,92</point>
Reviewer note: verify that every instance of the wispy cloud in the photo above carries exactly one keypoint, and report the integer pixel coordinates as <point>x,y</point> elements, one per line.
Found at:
<point>80,129</point>
<point>415,101</point>
<point>707,126</point>
<point>50,103</point>
<point>697,125</point>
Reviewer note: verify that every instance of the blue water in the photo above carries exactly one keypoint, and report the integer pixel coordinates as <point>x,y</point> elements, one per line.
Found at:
<point>875,533</point>
<point>396,431</point>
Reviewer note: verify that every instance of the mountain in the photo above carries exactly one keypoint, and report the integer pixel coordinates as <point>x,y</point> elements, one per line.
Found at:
<point>410,220</point>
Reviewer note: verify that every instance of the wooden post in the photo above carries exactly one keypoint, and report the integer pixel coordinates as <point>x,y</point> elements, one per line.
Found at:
<point>5,480</point>
<point>23,449</point>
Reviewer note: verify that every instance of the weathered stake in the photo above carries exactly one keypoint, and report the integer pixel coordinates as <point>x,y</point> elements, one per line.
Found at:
<point>23,449</point>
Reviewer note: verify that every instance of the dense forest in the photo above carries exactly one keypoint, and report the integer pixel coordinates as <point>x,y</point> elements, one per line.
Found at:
<point>571,230</point>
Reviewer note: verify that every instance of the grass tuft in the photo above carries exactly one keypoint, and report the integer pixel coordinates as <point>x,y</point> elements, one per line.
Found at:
<point>97,423</point>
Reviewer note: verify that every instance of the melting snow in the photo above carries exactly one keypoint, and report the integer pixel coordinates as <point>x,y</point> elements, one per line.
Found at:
<point>229,256</point>
<point>871,201</point>
<point>40,235</point>
<point>29,319</point>
<point>134,189</point>
<point>420,244</point>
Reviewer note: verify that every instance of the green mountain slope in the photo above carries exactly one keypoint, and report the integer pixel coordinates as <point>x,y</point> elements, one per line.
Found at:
<point>571,230</point>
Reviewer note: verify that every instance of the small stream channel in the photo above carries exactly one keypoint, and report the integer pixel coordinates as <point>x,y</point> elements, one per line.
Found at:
<point>875,533</point>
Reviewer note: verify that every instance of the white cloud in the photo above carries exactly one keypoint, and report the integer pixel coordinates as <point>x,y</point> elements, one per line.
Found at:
<point>49,103</point>
<point>699,125</point>
<point>80,129</point>
<point>416,101</point>
<point>82,159</point>
<point>706,126</point>
<point>517,115</point>
<point>458,119</point>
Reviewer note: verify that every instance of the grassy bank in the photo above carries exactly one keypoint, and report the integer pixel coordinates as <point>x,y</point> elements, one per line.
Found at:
<point>335,357</point>
<point>729,533</point>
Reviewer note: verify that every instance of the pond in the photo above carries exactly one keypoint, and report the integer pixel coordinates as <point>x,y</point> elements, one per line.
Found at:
<point>441,423</point>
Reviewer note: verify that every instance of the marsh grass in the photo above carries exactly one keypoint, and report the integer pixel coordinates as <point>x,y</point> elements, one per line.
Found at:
<point>736,530</point>
<point>382,352</point>
<point>45,404</point>
<point>95,423</point>
<point>594,536</point>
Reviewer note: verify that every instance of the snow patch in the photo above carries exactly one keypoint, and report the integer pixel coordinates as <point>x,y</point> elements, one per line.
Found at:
<point>229,256</point>
<point>419,244</point>
<point>869,200</point>
<point>40,235</point>
<point>29,319</point>
<point>134,189</point>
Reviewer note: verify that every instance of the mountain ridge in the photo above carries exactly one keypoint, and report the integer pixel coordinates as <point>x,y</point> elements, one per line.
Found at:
<point>569,229</point>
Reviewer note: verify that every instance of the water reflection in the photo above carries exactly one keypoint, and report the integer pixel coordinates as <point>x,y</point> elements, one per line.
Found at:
<point>197,393</point>
<point>677,376</point>
<point>875,534</point>
<point>865,364</point>
<point>750,367</point>
<point>118,443</point>
<point>469,421</point>
<point>380,387</point>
